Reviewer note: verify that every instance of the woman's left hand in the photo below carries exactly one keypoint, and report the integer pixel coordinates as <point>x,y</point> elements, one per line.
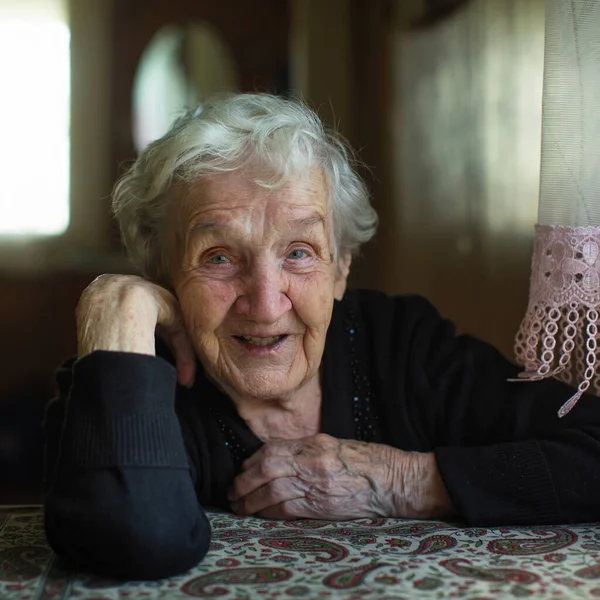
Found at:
<point>321,477</point>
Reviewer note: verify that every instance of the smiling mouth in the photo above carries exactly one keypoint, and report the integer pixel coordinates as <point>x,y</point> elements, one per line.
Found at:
<point>260,341</point>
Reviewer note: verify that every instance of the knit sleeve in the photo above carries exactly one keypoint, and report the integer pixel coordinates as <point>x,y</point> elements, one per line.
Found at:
<point>120,496</point>
<point>503,453</point>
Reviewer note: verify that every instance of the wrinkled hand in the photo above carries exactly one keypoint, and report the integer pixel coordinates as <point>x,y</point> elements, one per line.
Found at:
<point>318,477</point>
<point>121,313</point>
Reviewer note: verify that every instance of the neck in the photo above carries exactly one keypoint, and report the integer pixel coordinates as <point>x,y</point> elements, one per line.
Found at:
<point>293,416</point>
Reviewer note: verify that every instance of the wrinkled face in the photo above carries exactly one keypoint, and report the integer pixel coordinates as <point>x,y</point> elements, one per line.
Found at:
<point>254,273</point>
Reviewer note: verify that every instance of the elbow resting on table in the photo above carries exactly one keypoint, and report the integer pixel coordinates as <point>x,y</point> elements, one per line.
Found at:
<point>133,547</point>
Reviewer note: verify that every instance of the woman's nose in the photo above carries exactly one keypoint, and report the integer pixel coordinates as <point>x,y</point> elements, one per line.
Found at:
<point>264,299</point>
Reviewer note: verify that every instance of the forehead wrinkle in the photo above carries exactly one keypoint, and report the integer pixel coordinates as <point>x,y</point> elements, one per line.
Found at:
<point>307,222</point>
<point>224,205</point>
<point>230,223</point>
<point>256,215</point>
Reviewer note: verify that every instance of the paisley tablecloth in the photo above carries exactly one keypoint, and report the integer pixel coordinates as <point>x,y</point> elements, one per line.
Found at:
<point>369,558</point>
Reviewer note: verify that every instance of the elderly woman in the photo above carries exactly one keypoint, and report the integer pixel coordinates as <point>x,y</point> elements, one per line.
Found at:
<point>239,372</point>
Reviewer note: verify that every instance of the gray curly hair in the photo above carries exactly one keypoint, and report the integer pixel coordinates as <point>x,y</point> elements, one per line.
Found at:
<point>223,135</point>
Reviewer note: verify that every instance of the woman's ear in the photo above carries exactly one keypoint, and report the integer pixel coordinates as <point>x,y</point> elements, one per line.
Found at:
<point>341,277</point>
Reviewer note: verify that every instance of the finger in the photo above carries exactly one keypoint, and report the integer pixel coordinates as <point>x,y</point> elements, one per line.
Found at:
<point>169,313</point>
<point>183,353</point>
<point>298,508</point>
<point>273,493</point>
<point>282,448</point>
<point>260,474</point>
<point>185,357</point>
<point>171,322</point>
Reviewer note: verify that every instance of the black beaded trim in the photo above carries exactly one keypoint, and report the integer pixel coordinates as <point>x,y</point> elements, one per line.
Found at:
<point>365,421</point>
<point>238,452</point>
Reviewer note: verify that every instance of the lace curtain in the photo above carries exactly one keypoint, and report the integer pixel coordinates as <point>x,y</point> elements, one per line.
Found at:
<point>559,334</point>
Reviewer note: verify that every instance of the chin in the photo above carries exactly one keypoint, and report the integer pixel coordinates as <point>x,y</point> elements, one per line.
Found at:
<point>263,385</point>
<point>265,390</point>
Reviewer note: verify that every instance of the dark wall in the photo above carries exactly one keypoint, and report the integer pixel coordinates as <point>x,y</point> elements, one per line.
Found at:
<point>38,332</point>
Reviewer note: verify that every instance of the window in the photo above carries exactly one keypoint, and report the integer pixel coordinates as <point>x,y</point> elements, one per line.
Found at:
<point>34,118</point>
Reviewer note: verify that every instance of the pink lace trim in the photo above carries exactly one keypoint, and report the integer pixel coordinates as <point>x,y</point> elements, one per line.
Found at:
<point>559,334</point>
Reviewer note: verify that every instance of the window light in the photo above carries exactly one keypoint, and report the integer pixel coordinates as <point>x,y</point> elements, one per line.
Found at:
<point>34,120</point>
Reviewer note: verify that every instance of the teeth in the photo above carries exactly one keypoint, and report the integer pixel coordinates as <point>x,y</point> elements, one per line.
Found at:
<point>258,341</point>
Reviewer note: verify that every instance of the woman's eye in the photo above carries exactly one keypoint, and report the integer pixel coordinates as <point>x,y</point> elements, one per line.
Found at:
<point>297,254</point>
<point>219,259</point>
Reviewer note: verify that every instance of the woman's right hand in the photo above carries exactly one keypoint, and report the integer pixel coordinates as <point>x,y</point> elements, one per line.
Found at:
<point>121,313</point>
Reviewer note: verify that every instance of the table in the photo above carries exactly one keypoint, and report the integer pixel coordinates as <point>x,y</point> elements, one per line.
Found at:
<point>368,558</point>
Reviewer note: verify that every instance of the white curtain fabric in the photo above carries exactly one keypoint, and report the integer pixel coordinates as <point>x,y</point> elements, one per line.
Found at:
<point>570,175</point>
<point>559,334</point>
